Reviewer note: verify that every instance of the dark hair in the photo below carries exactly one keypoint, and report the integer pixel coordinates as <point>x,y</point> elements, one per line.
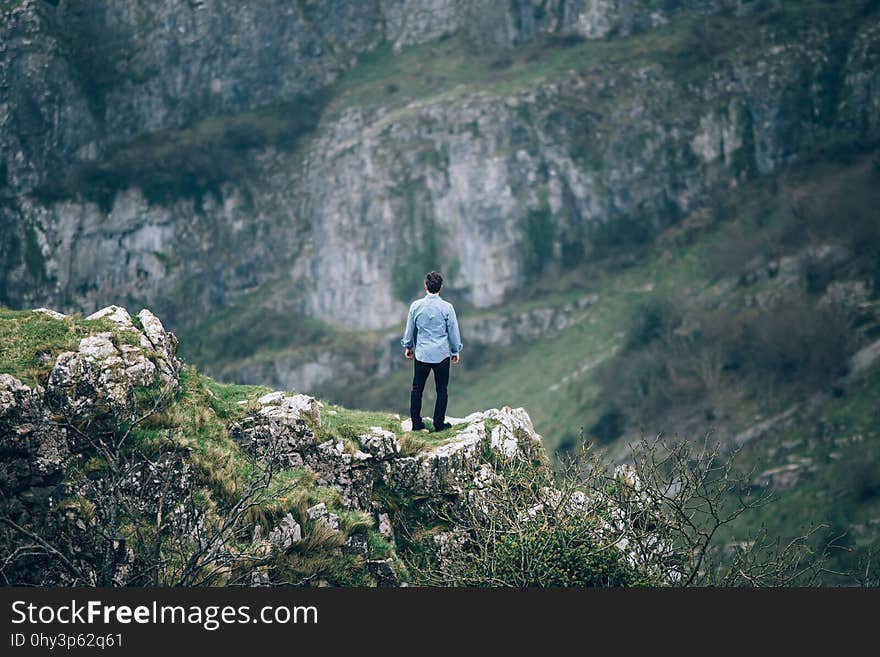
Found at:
<point>433,281</point>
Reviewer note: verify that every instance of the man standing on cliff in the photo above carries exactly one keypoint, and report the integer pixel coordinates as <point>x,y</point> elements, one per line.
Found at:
<point>432,340</point>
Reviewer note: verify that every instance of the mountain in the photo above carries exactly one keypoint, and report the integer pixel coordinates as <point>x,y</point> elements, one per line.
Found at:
<point>654,216</point>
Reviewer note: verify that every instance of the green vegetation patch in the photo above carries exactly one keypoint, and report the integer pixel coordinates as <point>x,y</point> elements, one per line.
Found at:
<point>31,342</point>
<point>190,162</point>
<point>824,473</point>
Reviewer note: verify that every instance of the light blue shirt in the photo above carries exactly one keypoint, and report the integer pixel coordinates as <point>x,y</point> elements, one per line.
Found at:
<point>433,328</point>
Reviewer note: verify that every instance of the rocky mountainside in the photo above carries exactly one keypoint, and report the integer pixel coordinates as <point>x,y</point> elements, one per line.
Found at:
<point>190,156</point>
<point>653,215</point>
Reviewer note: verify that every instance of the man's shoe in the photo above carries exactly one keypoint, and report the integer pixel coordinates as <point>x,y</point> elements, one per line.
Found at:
<point>418,427</point>
<point>442,427</point>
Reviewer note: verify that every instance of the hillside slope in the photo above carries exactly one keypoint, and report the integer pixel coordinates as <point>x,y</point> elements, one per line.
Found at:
<point>121,466</point>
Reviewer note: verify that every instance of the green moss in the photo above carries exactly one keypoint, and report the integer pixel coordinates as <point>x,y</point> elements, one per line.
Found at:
<point>378,545</point>
<point>31,342</point>
<point>414,442</point>
<point>340,421</point>
<point>231,401</point>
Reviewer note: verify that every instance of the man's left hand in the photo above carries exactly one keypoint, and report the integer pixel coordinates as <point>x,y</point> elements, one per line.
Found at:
<point>455,359</point>
<point>409,354</point>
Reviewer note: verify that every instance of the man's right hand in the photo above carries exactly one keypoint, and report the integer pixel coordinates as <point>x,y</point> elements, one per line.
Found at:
<point>409,354</point>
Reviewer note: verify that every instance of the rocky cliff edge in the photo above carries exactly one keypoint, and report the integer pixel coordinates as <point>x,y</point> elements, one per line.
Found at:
<point>119,424</point>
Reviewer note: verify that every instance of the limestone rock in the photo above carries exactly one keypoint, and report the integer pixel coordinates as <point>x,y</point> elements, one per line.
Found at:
<point>356,545</point>
<point>380,443</point>
<point>99,378</point>
<point>279,431</point>
<point>282,432</point>
<point>164,344</point>
<point>291,408</point>
<point>351,474</point>
<point>386,529</point>
<point>54,314</point>
<point>287,534</point>
<point>94,381</point>
<point>116,314</point>
<point>450,468</point>
<point>320,513</point>
<point>33,447</point>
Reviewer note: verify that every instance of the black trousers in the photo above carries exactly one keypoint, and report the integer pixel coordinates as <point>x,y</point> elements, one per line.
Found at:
<point>441,381</point>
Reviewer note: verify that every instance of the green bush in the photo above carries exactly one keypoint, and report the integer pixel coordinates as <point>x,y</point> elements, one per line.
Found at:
<point>563,554</point>
<point>653,320</point>
<point>796,343</point>
<point>793,341</point>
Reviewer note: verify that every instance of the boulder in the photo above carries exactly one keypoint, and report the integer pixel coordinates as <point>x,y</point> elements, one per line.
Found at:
<point>116,314</point>
<point>98,380</point>
<point>161,342</point>
<point>386,529</point>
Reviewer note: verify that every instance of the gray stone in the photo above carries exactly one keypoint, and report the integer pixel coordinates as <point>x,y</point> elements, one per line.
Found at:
<point>116,314</point>
<point>320,513</point>
<point>386,529</point>
<point>98,380</point>
<point>380,443</point>
<point>287,534</point>
<point>451,468</point>
<point>384,572</point>
<point>54,314</point>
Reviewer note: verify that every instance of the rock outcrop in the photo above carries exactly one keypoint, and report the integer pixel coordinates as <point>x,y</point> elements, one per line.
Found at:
<point>287,435</point>
<point>48,432</point>
<point>100,378</point>
<point>67,477</point>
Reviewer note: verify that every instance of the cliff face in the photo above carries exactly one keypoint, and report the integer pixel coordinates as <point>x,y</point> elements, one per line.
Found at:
<point>80,77</point>
<point>191,155</point>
